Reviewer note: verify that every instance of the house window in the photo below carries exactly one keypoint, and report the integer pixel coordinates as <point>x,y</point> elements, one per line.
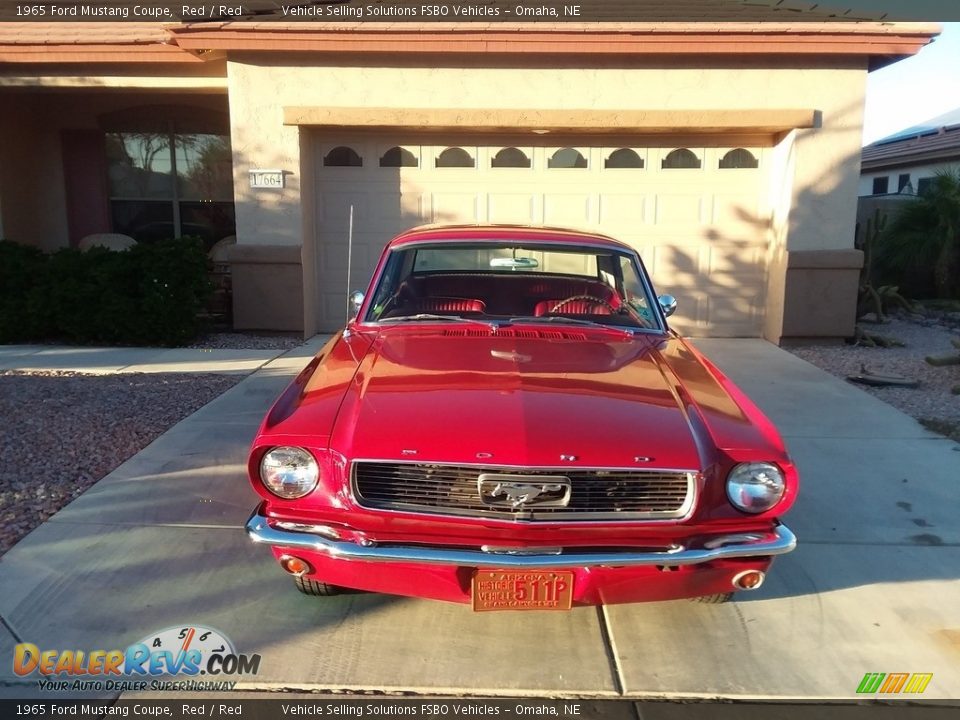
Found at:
<point>681,159</point>
<point>166,184</point>
<point>903,181</point>
<point>622,159</point>
<point>924,185</point>
<point>455,157</point>
<point>398,157</point>
<point>881,185</point>
<point>510,157</point>
<point>343,156</point>
<point>738,158</point>
<point>567,158</point>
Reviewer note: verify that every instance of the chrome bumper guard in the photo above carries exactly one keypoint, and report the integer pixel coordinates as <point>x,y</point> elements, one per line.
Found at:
<point>723,547</point>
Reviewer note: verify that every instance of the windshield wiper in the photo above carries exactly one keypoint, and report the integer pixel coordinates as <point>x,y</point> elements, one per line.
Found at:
<point>573,321</point>
<point>419,317</point>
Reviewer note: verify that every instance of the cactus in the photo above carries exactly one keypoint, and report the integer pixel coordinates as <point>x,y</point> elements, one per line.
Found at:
<point>871,299</point>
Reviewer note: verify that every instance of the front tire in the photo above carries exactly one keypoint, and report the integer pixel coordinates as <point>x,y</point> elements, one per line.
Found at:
<point>316,588</point>
<point>716,599</point>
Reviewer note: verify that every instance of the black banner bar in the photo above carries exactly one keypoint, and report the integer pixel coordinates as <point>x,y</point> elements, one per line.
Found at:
<point>478,11</point>
<point>283,706</point>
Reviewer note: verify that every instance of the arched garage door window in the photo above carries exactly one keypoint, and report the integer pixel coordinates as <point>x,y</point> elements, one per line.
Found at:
<point>342,156</point>
<point>510,157</point>
<point>681,159</point>
<point>738,158</point>
<point>623,158</point>
<point>455,157</point>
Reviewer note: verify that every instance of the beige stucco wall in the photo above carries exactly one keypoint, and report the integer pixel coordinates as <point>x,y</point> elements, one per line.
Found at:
<point>31,173</point>
<point>815,178</point>
<point>916,172</point>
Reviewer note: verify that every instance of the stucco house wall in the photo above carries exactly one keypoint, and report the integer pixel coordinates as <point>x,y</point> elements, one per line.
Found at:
<point>794,88</point>
<point>814,176</point>
<point>916,171</point>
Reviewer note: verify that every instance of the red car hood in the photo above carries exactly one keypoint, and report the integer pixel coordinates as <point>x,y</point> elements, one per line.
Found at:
<point>521,398</point>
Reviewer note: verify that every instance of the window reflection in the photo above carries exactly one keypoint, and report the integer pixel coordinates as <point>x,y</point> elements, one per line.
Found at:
<point>146,203</point>
<point>139,165</point>
<point>204,167</point>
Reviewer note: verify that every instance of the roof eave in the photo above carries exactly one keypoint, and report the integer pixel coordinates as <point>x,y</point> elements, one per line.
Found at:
<point>886,46</point>
<point>938,156</point>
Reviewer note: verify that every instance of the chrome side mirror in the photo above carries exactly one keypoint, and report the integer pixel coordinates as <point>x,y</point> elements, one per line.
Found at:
<point>668,303</point>
<point>356,300</point>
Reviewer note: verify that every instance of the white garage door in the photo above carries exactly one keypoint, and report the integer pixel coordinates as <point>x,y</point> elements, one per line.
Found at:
<point>695,208</point>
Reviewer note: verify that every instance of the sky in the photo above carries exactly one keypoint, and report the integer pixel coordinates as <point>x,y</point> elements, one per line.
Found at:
<point>916,89</point>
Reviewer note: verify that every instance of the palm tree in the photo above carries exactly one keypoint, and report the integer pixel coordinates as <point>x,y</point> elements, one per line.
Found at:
<point>926,232</point>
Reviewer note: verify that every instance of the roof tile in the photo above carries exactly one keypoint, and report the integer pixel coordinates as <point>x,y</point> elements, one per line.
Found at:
<point>943,144</point>
<point>85,33</point>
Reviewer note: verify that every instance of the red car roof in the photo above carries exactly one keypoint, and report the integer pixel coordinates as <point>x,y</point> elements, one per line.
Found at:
<point>524,233</point>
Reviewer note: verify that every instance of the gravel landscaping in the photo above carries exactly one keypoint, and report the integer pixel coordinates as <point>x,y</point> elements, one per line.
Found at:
<point>63,431</point>
<point>247,341</point>
<point>931,402</point>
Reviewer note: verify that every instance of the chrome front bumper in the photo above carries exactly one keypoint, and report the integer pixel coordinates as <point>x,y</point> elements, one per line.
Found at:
<point>777,541</point>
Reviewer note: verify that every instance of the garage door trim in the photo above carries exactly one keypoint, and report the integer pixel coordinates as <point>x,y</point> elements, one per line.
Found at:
<point>575,121</point>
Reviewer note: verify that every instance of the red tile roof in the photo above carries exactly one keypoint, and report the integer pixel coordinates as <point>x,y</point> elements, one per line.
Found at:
<point>787,26</point>
<point>85,33</point>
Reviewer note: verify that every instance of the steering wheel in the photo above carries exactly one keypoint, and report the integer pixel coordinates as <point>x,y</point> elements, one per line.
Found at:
<point>591,298</point>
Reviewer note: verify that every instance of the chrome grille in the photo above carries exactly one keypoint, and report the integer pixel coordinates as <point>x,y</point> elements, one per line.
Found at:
<point>453,490</point>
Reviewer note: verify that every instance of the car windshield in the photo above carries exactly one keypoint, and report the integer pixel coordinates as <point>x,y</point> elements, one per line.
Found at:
<point>495,282</point>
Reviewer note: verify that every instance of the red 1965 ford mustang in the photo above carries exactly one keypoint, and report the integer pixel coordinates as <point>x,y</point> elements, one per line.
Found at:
<point>508,421</point>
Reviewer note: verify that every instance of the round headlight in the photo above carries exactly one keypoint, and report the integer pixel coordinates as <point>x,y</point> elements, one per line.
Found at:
<point>289,472</point>
<point>755,487</point>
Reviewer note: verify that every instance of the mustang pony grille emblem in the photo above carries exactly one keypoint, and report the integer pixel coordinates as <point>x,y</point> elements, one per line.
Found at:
<point>520,491</point>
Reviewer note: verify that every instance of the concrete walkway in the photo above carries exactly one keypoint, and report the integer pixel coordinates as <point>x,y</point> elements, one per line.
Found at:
<point>873,587</point>
<point>108,360</point>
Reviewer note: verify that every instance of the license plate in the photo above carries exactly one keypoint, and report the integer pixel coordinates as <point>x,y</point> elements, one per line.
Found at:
<point>522,590</point>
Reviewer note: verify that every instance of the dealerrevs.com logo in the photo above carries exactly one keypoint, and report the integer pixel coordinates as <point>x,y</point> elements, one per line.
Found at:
<point>185,651</point>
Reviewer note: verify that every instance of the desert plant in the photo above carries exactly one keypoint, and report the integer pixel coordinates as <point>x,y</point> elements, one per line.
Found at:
<point>926,231</point>
<point>872,299</point>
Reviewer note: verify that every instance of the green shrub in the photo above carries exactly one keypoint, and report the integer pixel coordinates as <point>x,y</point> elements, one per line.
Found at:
<point>173,288</point>
<point>22,273</point>
<point>150,294</point>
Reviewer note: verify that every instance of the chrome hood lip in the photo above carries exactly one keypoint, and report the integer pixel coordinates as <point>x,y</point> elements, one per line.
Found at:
<point>596,401</point>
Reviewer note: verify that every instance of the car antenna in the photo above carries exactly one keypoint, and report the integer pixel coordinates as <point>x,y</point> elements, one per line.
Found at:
<point>349,258</point>
<point>346,330</point>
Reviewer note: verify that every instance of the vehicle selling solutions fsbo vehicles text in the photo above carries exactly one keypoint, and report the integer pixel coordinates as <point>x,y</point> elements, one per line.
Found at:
<point>358,12</point>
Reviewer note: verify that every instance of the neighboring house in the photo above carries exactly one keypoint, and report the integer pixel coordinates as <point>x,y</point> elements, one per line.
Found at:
<point>727,152</point>
<point>907,161</point>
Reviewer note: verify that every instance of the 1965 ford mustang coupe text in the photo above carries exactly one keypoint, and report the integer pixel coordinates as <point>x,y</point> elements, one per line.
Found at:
<point>508,421</point>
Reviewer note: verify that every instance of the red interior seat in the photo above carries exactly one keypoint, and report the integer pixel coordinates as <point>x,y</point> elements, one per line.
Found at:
<point>447,304</point>
<point>574,307</point>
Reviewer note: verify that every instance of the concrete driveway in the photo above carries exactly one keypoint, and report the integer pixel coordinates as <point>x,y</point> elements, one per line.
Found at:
<point>873,587</point>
